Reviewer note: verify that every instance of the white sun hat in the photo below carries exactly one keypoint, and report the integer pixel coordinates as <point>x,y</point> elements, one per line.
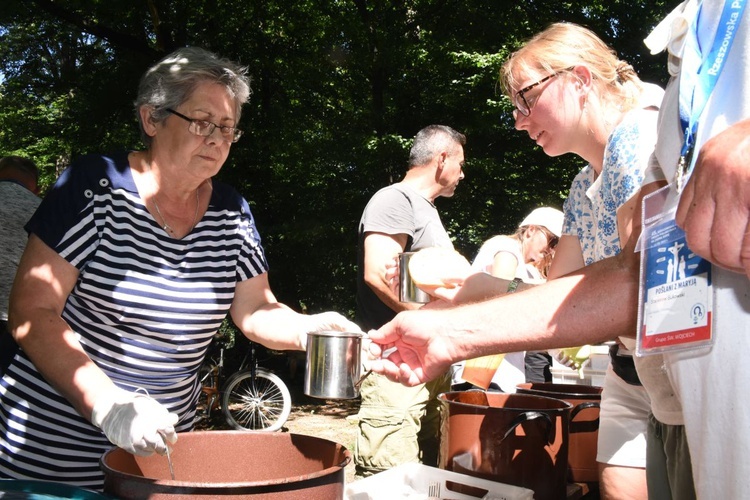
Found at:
<point>549,217</point>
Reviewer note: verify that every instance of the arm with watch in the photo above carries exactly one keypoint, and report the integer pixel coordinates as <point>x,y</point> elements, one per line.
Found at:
<point>482,286</point>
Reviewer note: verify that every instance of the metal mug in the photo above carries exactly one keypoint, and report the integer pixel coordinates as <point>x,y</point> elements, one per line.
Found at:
<point>408,290</point>
<point>334,364</point>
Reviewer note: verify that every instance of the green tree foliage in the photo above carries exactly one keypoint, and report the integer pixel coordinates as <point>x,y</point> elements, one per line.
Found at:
<point>340,87</point>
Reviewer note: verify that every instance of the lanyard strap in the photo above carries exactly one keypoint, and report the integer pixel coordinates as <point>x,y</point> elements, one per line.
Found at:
<point>700,73</point>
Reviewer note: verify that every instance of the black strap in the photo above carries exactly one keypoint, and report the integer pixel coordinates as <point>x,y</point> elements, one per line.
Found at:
<point>623,366</point>
<point>8,347</point>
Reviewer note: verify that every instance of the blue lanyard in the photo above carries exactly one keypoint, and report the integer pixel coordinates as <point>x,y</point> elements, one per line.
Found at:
<point>695,89</point>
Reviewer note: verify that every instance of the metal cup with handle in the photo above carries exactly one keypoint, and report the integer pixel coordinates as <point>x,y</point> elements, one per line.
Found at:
<point>334,364</point>
<point>408,290</point>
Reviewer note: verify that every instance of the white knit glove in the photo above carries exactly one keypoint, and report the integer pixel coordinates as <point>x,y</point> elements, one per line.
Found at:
<point>327,321</point>
<point>135,422</point>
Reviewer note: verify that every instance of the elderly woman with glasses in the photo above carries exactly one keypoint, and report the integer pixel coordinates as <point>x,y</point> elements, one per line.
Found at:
<point>573,95</point>
<point>132,263</point>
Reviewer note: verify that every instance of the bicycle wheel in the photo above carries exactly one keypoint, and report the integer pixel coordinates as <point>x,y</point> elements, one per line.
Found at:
<point>262,404</point>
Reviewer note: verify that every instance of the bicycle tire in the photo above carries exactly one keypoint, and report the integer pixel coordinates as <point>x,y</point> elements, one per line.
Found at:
<point>264,405</point>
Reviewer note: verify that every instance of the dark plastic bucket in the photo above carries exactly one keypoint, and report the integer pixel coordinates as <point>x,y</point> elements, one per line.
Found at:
<point>516,439</point>
<point>584,424</point>
<point>18,489</point>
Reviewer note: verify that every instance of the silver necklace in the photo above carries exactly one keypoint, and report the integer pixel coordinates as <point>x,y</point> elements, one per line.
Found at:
<point>166,227</point>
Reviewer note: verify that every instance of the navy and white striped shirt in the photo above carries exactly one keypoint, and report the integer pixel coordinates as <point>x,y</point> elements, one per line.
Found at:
<point>145,308</point>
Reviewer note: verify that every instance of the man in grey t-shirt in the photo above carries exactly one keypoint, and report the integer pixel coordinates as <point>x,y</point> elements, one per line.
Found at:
<point>18,188</point>
<point>399,424</point>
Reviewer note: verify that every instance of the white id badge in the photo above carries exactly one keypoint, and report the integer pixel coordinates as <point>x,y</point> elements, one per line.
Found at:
<point>675,292</point>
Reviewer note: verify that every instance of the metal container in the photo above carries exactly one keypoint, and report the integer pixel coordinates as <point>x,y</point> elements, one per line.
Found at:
<point>333,364</point>
<point>408,290</point>
<point>239,464</point>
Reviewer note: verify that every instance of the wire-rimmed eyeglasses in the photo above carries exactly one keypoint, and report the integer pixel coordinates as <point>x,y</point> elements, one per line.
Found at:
<point>205,128</point>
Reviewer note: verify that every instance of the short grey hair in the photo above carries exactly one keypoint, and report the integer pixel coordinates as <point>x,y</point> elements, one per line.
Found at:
<point>431,140</point>
<point>20,164</point>
<point>171,81</point>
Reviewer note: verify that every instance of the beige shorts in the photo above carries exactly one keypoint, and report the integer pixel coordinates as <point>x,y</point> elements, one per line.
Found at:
<point>623,423</point>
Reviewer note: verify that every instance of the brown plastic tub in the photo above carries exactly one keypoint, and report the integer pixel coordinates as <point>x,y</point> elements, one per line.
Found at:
<point>584,424</point>
<point>516,439</point>
<point>239,464</point>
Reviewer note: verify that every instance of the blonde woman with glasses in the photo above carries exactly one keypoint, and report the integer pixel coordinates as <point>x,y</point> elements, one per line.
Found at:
<point>573,95</point>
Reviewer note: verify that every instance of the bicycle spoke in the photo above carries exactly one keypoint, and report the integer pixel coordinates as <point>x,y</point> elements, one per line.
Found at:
<point>259,405</point>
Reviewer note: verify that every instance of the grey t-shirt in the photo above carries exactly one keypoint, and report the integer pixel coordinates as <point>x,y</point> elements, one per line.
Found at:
<point>396,209</point>
<point>17,204</point>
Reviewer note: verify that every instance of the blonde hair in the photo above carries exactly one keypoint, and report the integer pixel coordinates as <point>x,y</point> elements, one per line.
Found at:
<point>564,45</point>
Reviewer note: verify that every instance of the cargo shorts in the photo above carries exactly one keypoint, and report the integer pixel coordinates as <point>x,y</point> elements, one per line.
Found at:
<point>397,424</point>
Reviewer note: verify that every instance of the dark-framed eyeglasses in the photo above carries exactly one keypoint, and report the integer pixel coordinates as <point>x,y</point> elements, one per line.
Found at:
<point>552,241</point>
<point>522,105</point>
<point>205,128</point>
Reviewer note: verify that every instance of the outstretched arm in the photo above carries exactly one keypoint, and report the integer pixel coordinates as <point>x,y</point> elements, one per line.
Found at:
<point>591,306</point>
<point>594,304</point>
<point>263,319</point>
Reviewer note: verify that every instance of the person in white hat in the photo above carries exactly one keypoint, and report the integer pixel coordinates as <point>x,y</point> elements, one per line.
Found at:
<point>525,255</point>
